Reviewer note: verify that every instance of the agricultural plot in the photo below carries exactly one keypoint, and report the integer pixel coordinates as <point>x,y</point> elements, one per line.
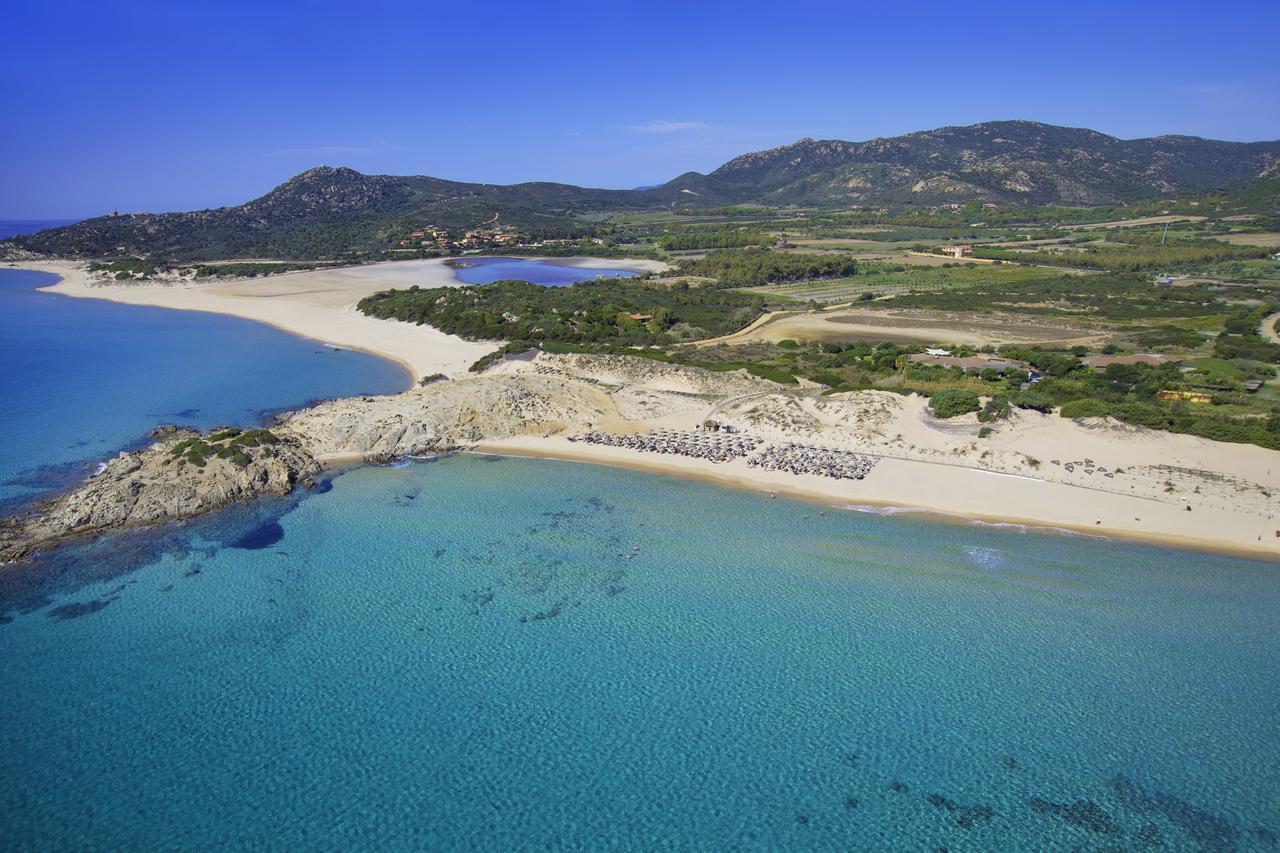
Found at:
<point>897,280</point>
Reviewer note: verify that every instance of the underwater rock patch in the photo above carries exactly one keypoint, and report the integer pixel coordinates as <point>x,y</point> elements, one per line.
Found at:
<point>1082,813</point>
<point>262,536</point>
<point>1207,829</point>
<point>77,609</point>
<point>965,816</point>
<point>550,613</point>
<point>478,599</point>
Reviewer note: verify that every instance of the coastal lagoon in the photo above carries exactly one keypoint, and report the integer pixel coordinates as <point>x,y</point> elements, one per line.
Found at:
<point>85,378</point>
<point>485,270</point>
<point>502,653</point>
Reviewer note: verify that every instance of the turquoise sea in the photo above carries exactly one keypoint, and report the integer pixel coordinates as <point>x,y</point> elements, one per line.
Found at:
<point>84,378</point>
<point>507,654</point>
<point>497,653</point>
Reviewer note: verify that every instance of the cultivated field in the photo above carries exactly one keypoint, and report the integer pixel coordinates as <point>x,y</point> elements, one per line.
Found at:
<point>849,325</point>
<point>1270,239</point>
<point>892,282</point>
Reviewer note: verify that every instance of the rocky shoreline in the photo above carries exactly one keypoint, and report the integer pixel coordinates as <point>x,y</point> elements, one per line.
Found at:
<point>152,486</point>
<point>185,474</point>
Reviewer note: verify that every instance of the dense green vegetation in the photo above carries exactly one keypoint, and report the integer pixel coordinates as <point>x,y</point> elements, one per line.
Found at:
<point>249,269</point>
<point>1181,418</point>
<point>714,238</point>
<point>875,278</point>
<point>126,268</point>
<point>747,267</point>
<point>948,404</point>
<point>1139,253</point>
<point>230,443</point>
<point>614,311</point>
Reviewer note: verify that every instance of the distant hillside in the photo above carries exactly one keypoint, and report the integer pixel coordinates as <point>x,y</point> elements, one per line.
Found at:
<point>1018,162</point>
<point>327,212</point>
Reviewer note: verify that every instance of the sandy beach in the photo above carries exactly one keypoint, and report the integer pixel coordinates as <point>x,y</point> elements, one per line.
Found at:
<point>1098,477</point>
<point>319,304</point>
<point>952,494</point>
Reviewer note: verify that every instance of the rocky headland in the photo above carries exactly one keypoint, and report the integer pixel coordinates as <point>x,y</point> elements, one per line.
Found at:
<point>185,474</point>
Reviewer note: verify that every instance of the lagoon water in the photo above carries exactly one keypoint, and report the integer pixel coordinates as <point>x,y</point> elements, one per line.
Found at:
<point>485,270</point>
<point>84,378</point>
<point>498,653</point>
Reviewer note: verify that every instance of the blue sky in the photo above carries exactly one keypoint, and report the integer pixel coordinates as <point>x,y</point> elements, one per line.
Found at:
<point>180,105</point>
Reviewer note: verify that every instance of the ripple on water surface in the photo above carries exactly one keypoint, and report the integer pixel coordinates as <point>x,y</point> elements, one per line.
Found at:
<point>518,653</point>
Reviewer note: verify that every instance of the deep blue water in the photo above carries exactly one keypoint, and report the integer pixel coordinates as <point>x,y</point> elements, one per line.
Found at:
<point>14,227</point>
<point>83,378</point>
<point>462,655</point>
<point>484,270</point>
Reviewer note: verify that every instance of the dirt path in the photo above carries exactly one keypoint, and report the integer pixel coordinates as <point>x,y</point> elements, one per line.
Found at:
<point>1268,329</point>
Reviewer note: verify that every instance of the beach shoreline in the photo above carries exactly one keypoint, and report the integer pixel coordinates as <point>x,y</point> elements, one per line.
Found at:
<point>900,492</point>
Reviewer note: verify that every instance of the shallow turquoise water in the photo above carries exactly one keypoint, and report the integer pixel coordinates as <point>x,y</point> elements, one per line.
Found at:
<point>84,378</point>
<point>484,270</point>
<point>461,655</point>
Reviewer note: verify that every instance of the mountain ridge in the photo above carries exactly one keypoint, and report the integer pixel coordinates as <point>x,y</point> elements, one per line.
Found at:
<point>327,211</point>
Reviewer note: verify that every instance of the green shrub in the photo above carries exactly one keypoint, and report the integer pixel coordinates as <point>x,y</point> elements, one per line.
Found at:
<point>823,377</point>
<point>949,404</point>
<point>996,407</point>
<point>1032,400</point>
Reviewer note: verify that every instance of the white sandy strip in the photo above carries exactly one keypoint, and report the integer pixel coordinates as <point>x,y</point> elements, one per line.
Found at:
<point>955,491</point>
<point>319,304</point>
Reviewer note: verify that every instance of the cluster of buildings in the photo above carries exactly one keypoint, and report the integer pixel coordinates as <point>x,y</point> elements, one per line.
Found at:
<point>434,237</point>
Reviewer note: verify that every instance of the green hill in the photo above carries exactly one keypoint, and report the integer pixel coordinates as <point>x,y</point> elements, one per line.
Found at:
<point>335,213</point>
